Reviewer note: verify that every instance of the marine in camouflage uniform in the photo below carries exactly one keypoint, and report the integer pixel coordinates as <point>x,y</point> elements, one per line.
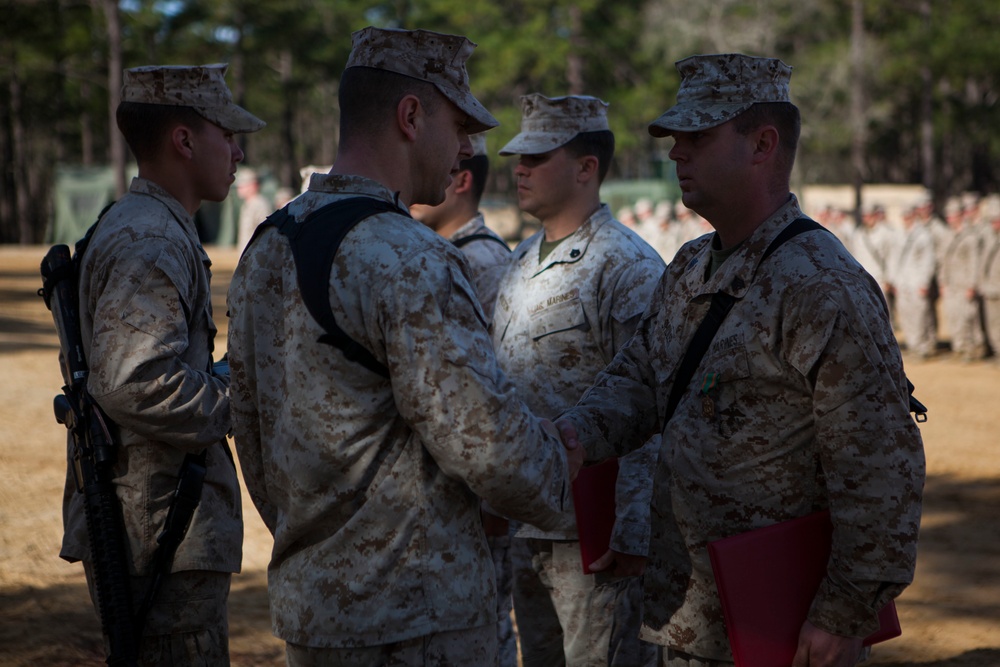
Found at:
<point>989,284</point>
<point>458,219</point>
<point>799,404</point>
<point>961,270</point>
<point>561,315</point>
<point>371,486</point>
<point>911,274</point>
<point>148,333</point>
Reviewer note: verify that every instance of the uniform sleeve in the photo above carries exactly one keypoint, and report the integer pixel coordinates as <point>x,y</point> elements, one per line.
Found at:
<point>631,295</point>
<point>618,414</point>
<point>870,450</point>
<point>450,391</point>
<point>137,375</point>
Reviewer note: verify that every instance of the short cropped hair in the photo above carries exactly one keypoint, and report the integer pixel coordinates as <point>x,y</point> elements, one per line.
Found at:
<point>784,116</point>
<point>368,97</point>
<point>146,126</point>
<point>599,143</point>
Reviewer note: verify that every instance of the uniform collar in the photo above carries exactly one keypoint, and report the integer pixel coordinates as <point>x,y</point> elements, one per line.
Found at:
<point>475,225</point>
<point>347,184</point>
<point>736,274</point>
<point>573,248</point>
<point>144,186</point>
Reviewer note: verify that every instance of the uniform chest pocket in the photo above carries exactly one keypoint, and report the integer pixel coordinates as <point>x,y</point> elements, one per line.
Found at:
<point>563,315</point>
<point>722,385</point>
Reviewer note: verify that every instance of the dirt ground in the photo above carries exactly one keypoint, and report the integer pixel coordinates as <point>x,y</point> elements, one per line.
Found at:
<point>950,615</point>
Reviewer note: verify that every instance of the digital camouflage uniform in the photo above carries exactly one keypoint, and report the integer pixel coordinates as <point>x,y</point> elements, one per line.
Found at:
<point>961,269</point>
<point>148,334</point>
<point>487,262</point>
<point>800,403</point>
<point>370,486</point>
<point>557,324</point>
<point>808,410</point>
<point>146,319</point>
<point>912,270</point>
<point>989,284</point>
<point>487,259</point>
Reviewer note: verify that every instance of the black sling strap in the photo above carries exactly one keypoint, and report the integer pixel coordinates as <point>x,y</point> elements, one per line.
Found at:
<point>465,240</point>
<point>314,243</point>
<point>722,303</point>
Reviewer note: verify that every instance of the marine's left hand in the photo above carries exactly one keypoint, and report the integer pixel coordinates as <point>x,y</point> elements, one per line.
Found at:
<point>819,648</point>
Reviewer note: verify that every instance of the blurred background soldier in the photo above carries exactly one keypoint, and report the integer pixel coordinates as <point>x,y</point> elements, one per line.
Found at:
<point>961,269</point>
<point>254,205</point>
<point>989,284</point>
<point>871,244</point>
<point>911,273</point>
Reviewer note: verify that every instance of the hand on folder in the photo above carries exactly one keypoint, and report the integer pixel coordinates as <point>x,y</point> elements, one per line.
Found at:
<point>622,565</point>
<point>818,648</point>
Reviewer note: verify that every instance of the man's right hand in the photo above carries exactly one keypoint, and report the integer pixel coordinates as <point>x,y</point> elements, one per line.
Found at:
<point>565,431</point>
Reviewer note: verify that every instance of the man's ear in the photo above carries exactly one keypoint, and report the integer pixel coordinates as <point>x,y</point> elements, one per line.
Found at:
<point>588,168</point>
<point>408,114</point>
<point>462,182</point>
<point>766,143</point>
<point>182,140</point>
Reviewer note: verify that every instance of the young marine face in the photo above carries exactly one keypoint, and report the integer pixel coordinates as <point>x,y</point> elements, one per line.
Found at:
<point>545,182</point>
<point>215,156</point>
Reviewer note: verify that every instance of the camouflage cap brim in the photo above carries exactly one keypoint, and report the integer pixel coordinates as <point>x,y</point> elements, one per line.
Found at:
<point>201,87</point>
<point>233,118</point>
<point>548,123</point>
<point>716,88</point>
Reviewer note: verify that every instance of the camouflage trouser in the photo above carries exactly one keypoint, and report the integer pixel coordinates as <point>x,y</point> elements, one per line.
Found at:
<point>991,312</point>
<point>506,639</point>
<point>188,625</point>
<point>475,647</point>
<point>916,319</point>
<point>962,320</point>
<point>566,617</point>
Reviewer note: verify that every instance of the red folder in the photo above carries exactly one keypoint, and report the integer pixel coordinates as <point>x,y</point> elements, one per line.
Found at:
<point>767,579</point>
<point>594,503</point>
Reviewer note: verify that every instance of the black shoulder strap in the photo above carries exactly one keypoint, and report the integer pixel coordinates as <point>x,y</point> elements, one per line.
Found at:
<point>722,303</point>
<point>465,240</point>
<point>314,243</point>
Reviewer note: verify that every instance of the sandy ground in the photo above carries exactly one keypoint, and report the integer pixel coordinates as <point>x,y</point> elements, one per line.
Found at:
<point>950,615</point>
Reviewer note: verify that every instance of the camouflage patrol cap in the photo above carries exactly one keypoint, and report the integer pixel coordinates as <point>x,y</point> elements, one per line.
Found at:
<point>717,88</point>
<point>548,123</point>
<point>429,56</point>
<point>201,87</point>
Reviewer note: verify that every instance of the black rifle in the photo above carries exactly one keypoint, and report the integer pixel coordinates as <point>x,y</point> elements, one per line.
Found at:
<point>94,456</point>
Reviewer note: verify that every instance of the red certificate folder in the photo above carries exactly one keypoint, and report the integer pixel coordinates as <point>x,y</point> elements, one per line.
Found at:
<point>594,503</point>
<point>767,579</point>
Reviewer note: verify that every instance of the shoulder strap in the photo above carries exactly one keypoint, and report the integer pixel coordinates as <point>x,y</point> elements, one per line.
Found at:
<point>314,244</point>
<point>465,240</point>
<point>721,304</point>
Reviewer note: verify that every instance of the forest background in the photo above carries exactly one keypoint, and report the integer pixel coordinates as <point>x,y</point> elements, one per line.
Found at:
<point>891,91</point>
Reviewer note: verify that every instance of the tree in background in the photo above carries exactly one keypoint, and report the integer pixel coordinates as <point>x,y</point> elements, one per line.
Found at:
<point>930,72</point>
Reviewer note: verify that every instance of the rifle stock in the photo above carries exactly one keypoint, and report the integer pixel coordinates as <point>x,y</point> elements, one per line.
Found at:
<point>94,454</point>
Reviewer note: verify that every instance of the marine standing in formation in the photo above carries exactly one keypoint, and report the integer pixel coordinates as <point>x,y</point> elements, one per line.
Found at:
<point>148,333</point>
<point>571,298</point>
